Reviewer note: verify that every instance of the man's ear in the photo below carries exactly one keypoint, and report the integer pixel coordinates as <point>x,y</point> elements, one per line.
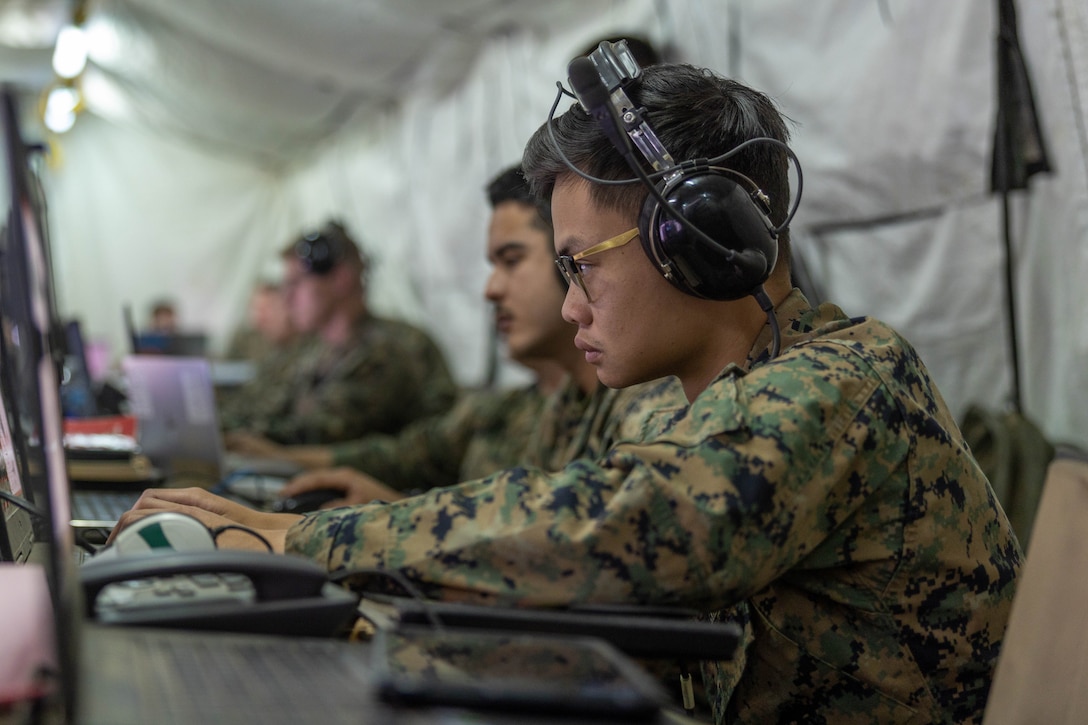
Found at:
<point>345,279</point>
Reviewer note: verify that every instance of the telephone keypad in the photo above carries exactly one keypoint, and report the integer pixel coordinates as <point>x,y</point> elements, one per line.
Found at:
<point>152,592</point>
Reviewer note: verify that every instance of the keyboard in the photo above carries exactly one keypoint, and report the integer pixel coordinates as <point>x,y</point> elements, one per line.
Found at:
<point>140,676</point>
<point>102,507</point>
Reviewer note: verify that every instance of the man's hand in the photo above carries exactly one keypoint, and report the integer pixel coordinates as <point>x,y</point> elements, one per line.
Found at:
<point>215,513</point>
<point>357,487</point>
<point>250,444</point>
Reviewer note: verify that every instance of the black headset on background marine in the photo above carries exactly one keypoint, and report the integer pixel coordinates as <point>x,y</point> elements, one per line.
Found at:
<point>705,227</point>
<point>320,251</point>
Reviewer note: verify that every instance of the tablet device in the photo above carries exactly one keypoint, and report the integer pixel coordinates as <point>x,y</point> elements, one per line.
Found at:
<point>511,671</point>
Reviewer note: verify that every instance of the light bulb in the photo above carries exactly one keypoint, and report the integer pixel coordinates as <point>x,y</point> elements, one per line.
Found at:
<point>60,109</point>
<point>70,54</point>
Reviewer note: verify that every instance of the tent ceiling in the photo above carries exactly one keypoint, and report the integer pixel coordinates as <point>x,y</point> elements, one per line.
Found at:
<point>267,78</point>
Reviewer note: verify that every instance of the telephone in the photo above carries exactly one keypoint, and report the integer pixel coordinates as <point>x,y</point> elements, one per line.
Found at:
<point>235,591</point>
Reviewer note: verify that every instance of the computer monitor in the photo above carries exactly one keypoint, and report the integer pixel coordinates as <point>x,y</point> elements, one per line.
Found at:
<point>178,344</point>
<point>77,393</point>
<point>16,527</point>
<point>30,367</point>
<point>148,342</point>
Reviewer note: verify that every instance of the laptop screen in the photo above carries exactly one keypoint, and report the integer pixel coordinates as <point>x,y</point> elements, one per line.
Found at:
<point>191,344</point>
<point>30,364</point>
<point>173,399</point>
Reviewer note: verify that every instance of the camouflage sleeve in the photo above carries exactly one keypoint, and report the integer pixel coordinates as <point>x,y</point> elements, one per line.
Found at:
<point>428,452</point>
<point>504,434</point>
<point>572,424</point>
<point>828,490</point>
<point>435,389</point>
<point>732,493</point>
<point>266,396</point>
<point>706,512</point>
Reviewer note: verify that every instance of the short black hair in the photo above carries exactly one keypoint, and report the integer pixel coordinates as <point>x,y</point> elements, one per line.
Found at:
<point>696,114</point>
<point>511,185</point>
<point>163,305</point>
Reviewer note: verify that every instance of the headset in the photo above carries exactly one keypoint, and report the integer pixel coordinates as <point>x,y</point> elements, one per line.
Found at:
<point>705,227</point>
<point>319,252</point>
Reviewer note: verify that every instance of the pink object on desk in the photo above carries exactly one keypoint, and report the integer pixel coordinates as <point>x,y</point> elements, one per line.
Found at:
<point>26,632</point>
<point>98,359</point>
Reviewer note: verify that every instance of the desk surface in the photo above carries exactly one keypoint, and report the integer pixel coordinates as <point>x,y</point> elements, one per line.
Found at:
<point>115,670</point>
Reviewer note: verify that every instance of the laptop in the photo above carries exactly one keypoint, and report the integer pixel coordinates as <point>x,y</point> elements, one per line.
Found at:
<point>122,675</point>
<point>118,674</point>
<point>177,429</point>
<point>177,424</point>
<point>188,344</point>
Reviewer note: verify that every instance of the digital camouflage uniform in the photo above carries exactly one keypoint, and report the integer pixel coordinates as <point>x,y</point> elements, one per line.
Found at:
<point>248,343</point>
<point>264,395</point>
<point>484,432</point>
<point>388,375</point>
<point>824,498</point>
<point>574,425</point>
<point>491,430</point>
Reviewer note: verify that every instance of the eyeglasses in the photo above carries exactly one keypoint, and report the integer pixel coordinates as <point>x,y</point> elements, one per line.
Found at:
<point>568,265</point>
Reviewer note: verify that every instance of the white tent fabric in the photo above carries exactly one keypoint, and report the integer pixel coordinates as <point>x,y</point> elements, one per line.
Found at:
<point>218,130</point>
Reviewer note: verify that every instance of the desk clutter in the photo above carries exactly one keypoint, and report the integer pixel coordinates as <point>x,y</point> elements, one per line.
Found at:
<point>169,628</point>
<point>104,450</point>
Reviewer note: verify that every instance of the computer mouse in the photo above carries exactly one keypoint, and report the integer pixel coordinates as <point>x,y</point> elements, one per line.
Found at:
<point>306,501</point>
<point>257,489</point>
<point>163,532</point>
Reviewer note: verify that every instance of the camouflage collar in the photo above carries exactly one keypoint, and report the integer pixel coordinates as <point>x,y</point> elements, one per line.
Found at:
<point>798,320</point>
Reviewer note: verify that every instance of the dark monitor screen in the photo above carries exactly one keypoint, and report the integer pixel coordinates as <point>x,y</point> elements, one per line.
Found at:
<point>29,371</point>
<point>171,343</point>
<point>16,527</point>
<point>30,366</point>
<point>77,393</point>
<point>16,411</point>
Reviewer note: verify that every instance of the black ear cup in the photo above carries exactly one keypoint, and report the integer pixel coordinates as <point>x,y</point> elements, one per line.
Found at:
<point>744,247</point>
<point>317,253</point>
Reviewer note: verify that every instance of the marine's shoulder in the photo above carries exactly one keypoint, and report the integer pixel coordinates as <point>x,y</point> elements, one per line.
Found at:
<point>503,402</point>
<point>390,326</point>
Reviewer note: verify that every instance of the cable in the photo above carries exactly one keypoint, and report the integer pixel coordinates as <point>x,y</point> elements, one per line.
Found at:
<point>649,179</point>
<point>265,489</point>
<point>401,581</point>
<point>89,546</point>
<point>235,527</point>
<point>767,306</point>
<point>22,503</point>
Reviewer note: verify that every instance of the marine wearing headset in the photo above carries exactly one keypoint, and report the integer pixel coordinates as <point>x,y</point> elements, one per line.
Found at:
<point>817,489</point>
<point>565,414</point>
<point>355,373</point>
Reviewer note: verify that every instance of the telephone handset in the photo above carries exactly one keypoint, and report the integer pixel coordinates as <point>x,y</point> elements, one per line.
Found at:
<point>236,591</point>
